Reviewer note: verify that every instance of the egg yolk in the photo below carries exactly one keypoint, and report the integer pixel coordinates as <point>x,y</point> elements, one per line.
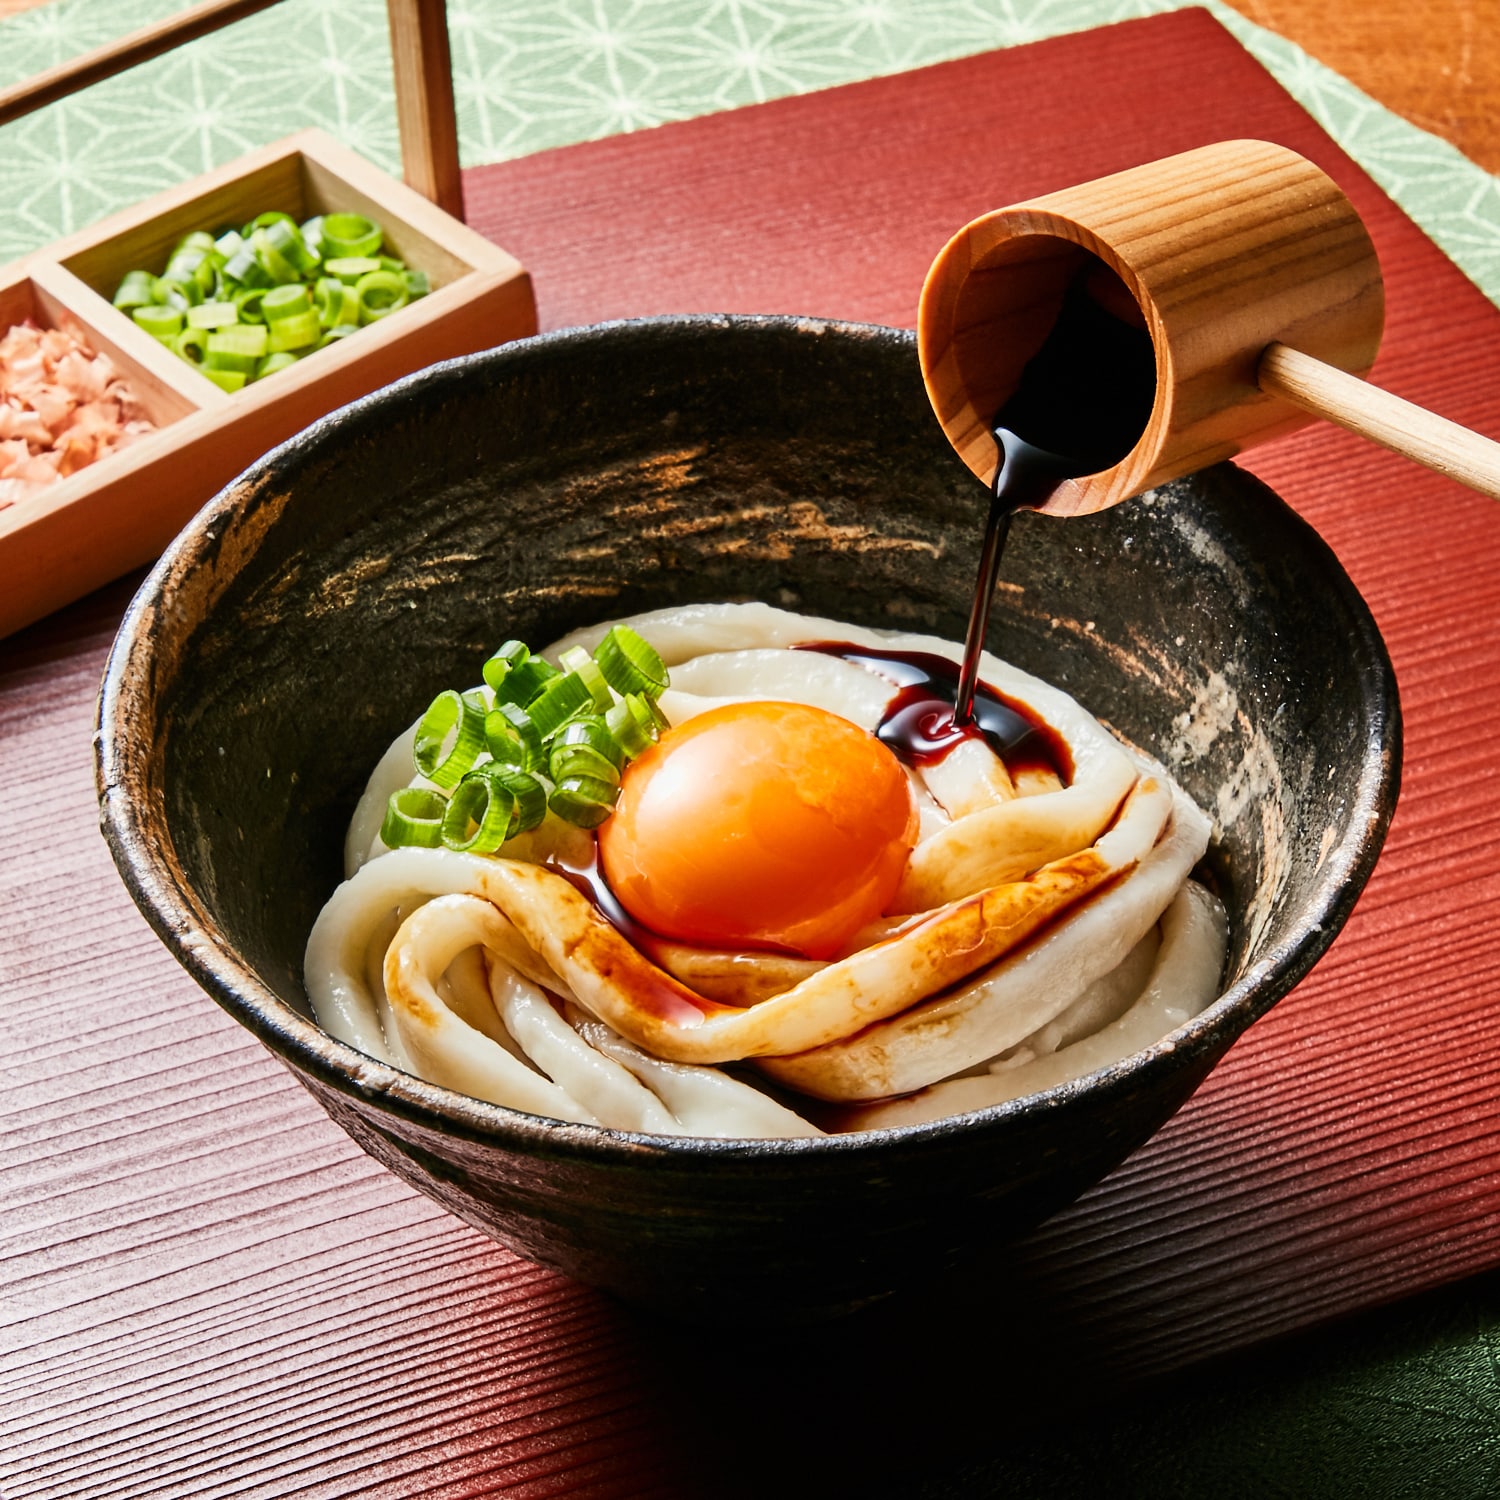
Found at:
<point>760,824</point>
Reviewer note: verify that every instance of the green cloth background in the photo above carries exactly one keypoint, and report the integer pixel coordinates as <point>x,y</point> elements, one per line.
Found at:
<point>529,74</point>
<point>1403,1402</point>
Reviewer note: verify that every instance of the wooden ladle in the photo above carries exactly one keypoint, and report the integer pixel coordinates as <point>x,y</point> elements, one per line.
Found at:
<point>1256,280</point>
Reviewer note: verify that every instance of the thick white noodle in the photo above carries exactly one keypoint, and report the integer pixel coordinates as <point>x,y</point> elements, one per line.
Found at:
<point>464,994</point>
<point>1015,996</point>
<point>1184,979</point>
<point>392,772</point>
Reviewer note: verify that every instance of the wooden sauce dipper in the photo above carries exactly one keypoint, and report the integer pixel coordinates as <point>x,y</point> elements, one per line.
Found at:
<point>1252,274</point>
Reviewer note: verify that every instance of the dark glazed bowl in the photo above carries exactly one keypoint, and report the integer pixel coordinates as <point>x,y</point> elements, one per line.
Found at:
<point>318,604</point>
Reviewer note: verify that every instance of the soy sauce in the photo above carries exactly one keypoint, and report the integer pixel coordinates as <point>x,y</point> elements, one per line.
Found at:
<point>1082,403</point>
<point>919,724</point>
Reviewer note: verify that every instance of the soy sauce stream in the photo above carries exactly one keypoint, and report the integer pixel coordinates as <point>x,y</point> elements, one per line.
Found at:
<point>1082,403</point>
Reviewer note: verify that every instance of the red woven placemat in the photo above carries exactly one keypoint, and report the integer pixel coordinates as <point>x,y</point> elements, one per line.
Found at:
<point>1349,1148</point>
<point>206,1290</point>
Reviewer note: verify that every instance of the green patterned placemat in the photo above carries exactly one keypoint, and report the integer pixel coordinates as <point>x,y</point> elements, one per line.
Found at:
<point>530,74</point>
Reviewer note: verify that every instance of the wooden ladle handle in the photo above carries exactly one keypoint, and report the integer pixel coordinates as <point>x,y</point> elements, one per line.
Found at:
<point>1383,418</point>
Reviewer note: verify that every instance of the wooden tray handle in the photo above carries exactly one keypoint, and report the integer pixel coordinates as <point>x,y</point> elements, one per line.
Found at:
<point>1396,424</point>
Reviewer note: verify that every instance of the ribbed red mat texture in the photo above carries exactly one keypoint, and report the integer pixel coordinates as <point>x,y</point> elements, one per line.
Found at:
<point>207,1290</point>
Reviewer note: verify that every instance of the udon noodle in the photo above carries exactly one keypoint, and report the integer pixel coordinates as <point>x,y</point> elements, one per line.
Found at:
<point>1039,931</point>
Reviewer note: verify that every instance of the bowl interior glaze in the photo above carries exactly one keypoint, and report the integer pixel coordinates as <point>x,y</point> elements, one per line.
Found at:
<point>318,604</point>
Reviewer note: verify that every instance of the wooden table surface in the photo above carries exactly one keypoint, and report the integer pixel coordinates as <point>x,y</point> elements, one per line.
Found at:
<point>1435,62</point>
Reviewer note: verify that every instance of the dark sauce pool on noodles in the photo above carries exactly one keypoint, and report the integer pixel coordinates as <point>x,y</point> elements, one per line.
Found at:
<point>919,724</point>
<point>1082,403</point>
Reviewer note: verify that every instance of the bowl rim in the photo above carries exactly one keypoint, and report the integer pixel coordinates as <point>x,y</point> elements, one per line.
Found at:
<point>133,681</point>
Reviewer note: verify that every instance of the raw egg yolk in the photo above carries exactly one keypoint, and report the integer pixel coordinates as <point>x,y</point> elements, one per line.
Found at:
<point>760,824</point>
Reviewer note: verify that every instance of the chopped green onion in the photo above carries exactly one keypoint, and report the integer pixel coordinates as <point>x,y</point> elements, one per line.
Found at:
<point>239,348</point>
<point>197,239</point>
<point>337,304</point>
<point>583,801</point>
<point>450,737</point>
<point>380,294</point>
<point>296,332</point>
<point>285,302</point>
<point>270,259</point>
<point>562,697</point>
<point>524,681</point>
<point>349,235</point>
<point>183,291</point>
<point>212,315</point>
<point>138,289</point>
<point>589,730</point>
<point>633,737</point>
<point>565,761</point>
<point>227,272</point>
<point>578,660</point>
<point>191,344</point>
<point>286,239</point>
<point>630,664</point>
<point>350,268</point>
<point>226,380</point>
<point>243,269</point>
<point>479,814</point>
<point>413,816</point>
<point>530,793</point>
<point>159,322</point>
<point>248,304</point>
<point>512,738</point>
<point>281,360</point>
<point>511,654</point>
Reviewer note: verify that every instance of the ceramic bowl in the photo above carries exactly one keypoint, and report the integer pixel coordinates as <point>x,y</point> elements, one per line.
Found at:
<point>318,603</point>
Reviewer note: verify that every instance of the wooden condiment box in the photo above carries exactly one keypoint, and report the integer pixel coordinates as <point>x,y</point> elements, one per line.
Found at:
<point>122,511</point>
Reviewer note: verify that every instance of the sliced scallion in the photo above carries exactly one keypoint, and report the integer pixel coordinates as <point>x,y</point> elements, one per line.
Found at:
<point>159,322</point>
<point>524,681</point>
<point>285,302</point>
<point>191,344</point>
<point>380,294</point>
<point>296,331</point>
<point>630,664</point>
<point>583,801</point>
<point>247,303</point>
<point>349,268</point>
<point>213,315</point>
<point>512,738</point>
<point>479,814</point>
<point>511,654</point>
<point>565,761</point>
<point>281,360</point>
<point>578,660</point>
<point>138,289</point>
<point>413,816</point>
<point>351,234</point>
<point>530,793</point>
<point>449,738</point>
<point>630,734</point>
<point>593,732</point>
<point>563,696</point>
